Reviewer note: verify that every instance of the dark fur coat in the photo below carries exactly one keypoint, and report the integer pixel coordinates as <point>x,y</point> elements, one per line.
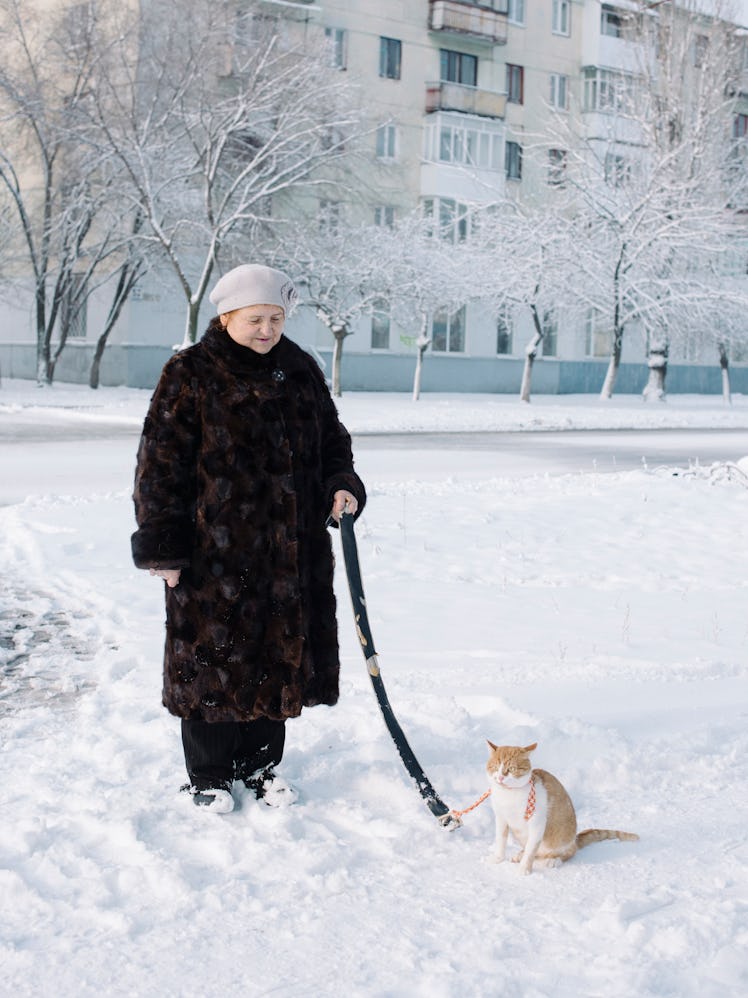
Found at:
<point>237,466</point>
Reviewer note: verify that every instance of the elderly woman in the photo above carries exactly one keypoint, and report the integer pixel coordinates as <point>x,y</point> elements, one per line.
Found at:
<point>242,461</point>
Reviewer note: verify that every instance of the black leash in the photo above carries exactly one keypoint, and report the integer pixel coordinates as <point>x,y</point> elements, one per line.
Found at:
<point>350,555</point>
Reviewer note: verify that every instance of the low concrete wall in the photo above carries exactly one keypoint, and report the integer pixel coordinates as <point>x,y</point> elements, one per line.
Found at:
<point>139,366</point>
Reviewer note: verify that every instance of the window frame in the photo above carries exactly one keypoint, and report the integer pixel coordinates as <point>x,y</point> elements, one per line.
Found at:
<point>452,59</point>
<point>381,312</point>
<point>386,142</point>
<point>557,162</point>
<point>561,18</point>
<point>555,87</point>
<point>462,141</point>
<point>549,343</point>
<point>515,83</point>
<point>456,320</point>
<point>512,160</point>
<point>504,328</point>
<point>511,9</point>
<point>611,18</point>
<point>337,40</point>
<point>390,58</point>
<point>384,216</point>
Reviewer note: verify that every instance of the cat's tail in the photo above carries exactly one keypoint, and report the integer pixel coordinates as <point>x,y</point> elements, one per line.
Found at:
<point>591,835</point>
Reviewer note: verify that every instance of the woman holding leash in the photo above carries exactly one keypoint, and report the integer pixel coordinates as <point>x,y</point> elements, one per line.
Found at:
<point>241,462</point>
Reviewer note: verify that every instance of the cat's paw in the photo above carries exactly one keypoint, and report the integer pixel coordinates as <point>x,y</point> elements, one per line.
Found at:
<point>525,869</point>
<point>554,862</point>
<point>496,857</point>
<point>517,857</point>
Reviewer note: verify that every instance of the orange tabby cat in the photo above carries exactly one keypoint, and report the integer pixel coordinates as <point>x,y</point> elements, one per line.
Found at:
<point>535,808</point>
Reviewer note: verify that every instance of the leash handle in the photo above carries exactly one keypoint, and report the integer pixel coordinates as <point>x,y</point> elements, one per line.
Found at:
<point>356,586</point>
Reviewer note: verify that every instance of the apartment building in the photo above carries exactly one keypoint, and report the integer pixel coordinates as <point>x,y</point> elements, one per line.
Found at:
<point>459,93</point>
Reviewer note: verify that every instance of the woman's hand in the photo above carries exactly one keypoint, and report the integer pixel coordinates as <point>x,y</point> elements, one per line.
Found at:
<point>343,502</point>
<point>169,575</point>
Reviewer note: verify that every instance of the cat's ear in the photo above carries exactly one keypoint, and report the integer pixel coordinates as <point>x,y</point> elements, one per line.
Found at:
<point>530,748</point>
<point>492,746</point>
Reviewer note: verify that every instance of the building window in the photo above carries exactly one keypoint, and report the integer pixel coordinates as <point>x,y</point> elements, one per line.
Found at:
<point>550,334</point>
<point>448,219</point>
<point>336,42</point>
<point>380,325</point>
<point>598,338</point>
<point>557,167</point>
<point>515,78</point>
<point>617,170</point>
<point>384,215</point>
<point>561,17</point>
<point>740,126</point>
<point>559,91</point>
<point>516,12</point>
<point>607,90</point>
<point>700,47</point>
<point>458,67</point>
<point>390,51</point>
<point>329,216</point>
<point>504,332</point>
<point>332,138</point>
<point>386,142</point>
<point>513,161</point>
<point>448,331</point>
<point>447,140</point>
<point>611,22</point>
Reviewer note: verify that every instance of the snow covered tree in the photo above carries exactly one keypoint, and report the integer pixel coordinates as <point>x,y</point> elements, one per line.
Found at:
<point>56,180</point>
<point>343,272</point>
<point>649,166</point>
<point>526,256</point>
<point>224,114</point>
<point>434,277</point>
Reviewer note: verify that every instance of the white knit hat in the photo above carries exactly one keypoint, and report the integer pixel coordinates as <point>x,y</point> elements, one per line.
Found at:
<point>254,284</point>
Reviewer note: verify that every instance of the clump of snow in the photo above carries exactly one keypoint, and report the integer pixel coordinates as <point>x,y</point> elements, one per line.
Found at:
<point>601,615</point>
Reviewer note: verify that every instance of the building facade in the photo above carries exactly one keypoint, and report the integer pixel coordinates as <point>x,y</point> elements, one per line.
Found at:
<point>458,93</point>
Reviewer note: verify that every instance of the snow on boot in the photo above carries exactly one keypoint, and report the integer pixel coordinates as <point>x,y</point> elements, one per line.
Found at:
<point>216,799</point>
<point>271,788</point>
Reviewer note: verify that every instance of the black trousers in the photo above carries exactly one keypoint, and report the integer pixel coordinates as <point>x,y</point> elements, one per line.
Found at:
<point>226,750</point>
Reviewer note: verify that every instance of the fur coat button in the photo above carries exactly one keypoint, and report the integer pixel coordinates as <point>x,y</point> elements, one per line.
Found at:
<point>279,375</point>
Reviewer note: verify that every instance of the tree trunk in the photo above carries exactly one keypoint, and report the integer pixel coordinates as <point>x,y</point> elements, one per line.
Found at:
<point>190,329</point>
<point>611,374</point>
<point>606,392</point>
<point>337,356</point>
<point>42,339</point>
<point>128,278</point>
<point>657,362</point>
<point>531,352</point>
<point>422,343</point>
<point>724,363</point>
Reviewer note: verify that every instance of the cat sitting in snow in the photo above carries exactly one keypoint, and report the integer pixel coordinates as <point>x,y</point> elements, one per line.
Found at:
<point>535,808</point>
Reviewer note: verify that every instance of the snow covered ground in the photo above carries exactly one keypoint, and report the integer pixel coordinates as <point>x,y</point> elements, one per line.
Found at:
<point>602,615</point>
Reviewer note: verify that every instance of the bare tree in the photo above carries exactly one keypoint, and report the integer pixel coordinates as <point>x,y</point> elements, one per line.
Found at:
<point>56,181</point>
<point>217,122</point>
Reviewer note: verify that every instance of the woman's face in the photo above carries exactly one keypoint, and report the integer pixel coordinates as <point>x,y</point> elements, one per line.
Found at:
<point>258,327</point>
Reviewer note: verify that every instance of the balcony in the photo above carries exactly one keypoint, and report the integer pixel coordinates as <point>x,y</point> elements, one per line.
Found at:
<point>467,100</point>
<point>475,20</point>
